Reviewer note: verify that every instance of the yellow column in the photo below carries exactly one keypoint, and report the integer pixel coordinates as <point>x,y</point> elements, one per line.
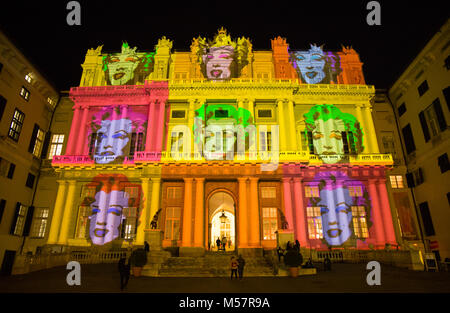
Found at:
<point>156,187</point>
<point>251,108</point>
<point>292,134</point>
<point>191,116</point>
<point>255,240</point>
<point>57,213</point>
<point>140,235</point>
<point>199,213</point>
<point>67,217</point>
<point>242,213</point>
<point>370,133</point>
<point>282,125</point>
<point>187,213</point>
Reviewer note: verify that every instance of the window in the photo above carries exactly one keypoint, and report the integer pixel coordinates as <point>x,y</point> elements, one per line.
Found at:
<point>314,219</point>
<point>56,145</point>
<point>49,100</point>
<point>447,62</point>
<point>423,87</point>
<point>39,224</point>
<point>28,78</point>
<point>268,192</point>
<point>220,113</point>
<point>136,143</point>
<point>30,180</point>
<point>129,224</point>
<point>1,67</point>
<point>16,125</point>
<point>311,191</point>
<point>88,192</point>
<point>2,106</point>
<point>19,220</point>
<point>446,93</point>
<point>178,114</point>
<point>387,139</point>
<point>172,227</point>
<point>409,139</point>
<point>2,208</point>
<point>443,163</point>
<point>418,176</point>
<point>265,113</point>
<point>426,219</point>
<point>307,141</point>
<point>270,223</point>
<point>266,141</point>
<point>348,142</point>
<point>82,231</point>
<point>7,168</point>
<point>36,142</point>
<point>359,222</point>
<point>24,93</point>
<point>401,109</point>
<point>173,192</point>
<point>355,191</point>
<point>92,148</point>
<point>176,142</point>
<point>396,181</point>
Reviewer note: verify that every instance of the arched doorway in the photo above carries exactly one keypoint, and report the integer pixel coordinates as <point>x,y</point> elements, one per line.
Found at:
<point>222,220</point>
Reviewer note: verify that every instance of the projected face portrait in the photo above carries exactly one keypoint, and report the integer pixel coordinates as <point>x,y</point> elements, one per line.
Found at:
<point>316,66</point>
<point>332,131</point>
<point>121,68</point>
<point>218,62</point>
<point>112,138</point>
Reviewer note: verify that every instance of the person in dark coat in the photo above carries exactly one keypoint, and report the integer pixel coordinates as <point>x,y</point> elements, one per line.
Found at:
<point>124,270</point>
<point>280,253</point>
<point>218,243</point>
<point>234,267</point>
<point>146,246</point>
<point>297,245</point>
<point>241,264</point>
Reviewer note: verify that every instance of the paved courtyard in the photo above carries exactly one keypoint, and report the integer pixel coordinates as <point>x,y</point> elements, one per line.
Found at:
<point>344,278</point>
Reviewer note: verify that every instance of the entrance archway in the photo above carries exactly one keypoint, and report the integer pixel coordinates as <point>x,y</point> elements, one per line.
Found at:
<point>222,220</point>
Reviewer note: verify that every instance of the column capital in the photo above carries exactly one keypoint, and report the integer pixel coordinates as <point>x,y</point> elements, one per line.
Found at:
<point>200,179</point>
<point>124,105</point>
<point>280,101</point>
<point>72,182</point>
<point>372,181</point>
<point>188,179</point>
<point>242,179</point>
<point>145,179</point>
<point>287,179</point>
<point>156,179</point>
<point>253,179</point>
<point>298,179</point>
<point>381,181</point>
<point>61,181</point>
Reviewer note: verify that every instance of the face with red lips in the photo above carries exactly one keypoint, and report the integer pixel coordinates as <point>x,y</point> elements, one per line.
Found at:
<point>218,62</point>
<point>121,68</point>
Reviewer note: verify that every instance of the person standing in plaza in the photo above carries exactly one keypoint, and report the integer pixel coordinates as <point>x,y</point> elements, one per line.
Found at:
<point>241,264</point>
<point>124,270</point>
<point>224,243</point>
<point>218,243</point>
<point>234,267</point>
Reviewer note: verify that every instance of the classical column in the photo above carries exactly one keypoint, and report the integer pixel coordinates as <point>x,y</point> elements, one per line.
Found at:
<point>151,121</point>
<point>288,202</point>
<point>143,218</point>
<point>57,213</point>
<point>199,213</point>
<point>161,122</point>
<point>292,134</point>
<point>187,213</point>
<point>243,213</point>
<point>156,187</point>
<point>74,130</point>
<point>376,212</point>
<point>82,140</point>
<point>370,133</point>
<point>300,219</point>
<point>251,108</point>
<point>386,212</point>
<point>67,217</point>
<point>281,120</point>
<point>255,239</point>
<point>191,116</point>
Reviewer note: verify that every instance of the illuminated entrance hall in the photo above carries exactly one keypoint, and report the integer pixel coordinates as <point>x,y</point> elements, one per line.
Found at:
<point>222,220</point>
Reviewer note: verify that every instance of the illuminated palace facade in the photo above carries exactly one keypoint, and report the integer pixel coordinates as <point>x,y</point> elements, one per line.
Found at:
<point>220,141</point>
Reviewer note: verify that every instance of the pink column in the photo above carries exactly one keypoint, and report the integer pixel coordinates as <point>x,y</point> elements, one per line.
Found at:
<point>82,140</point>
<point>160,129</point>
<point>74,128</point>
<point>386,212</point>
<point>288,202</point>
<point>150,127</point>
<point>300,220</point>
<point>376,212</point>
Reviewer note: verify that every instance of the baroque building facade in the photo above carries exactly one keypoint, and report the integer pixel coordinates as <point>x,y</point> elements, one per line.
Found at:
<point>221,141</point>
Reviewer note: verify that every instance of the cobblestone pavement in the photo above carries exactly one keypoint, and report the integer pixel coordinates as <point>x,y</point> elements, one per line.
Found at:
<point>344,278</point>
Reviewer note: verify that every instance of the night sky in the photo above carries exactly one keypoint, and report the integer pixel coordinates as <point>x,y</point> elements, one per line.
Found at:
<point>42,34</point>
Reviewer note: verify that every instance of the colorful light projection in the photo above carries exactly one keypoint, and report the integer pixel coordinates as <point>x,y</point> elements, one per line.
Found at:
<point>344,209</point>
<point>127,67</point>
<point>334,133</point>
<point>116,133</point>
<point>226,131</point>
<point>112,200</point>
<point>316,66</point>
<point>222,58</point>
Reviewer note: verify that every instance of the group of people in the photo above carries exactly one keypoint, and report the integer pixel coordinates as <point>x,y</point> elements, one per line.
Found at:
<point>221,244</point>
<point>289,245</point>
<point>237,267</point>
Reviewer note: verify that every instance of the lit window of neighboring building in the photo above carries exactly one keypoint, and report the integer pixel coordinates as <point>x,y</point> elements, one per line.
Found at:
<point>443,163</point>
<point>16,125</point>
<point>28,78</point>
<point>38,142</point>
<point>30,180</point>
<point>49,100</point>
<point>56,145</point>
<point>314,219</point>
<point>311,191</point>
<point>359,222</point>
<point>129,223</point>
<point>270,223</point>
<point>268,192</point>
<point>172,227</point>
<point>355,191</point>
<point>39,224</point>
<point>422,88</point>
<point>396,181</point>
<point>19,220</point>
<point>24,93</point>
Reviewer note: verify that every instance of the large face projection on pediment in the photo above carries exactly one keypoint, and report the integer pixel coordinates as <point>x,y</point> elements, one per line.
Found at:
<point>222,58</point>
<point>315,66</point>
<point>127,67</point>
<point>333,132</point>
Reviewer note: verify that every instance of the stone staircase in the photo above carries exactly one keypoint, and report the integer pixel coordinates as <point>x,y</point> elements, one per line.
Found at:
<point>212,264</point>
